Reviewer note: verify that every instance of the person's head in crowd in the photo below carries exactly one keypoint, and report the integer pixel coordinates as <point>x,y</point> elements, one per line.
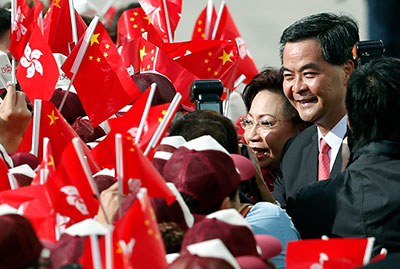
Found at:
<point>271,119</point>
<point>172,236</point>
<point>206,122</point>
<point>207,178</point>
<point>373,101</point>
<point>5,25</point>
<point>317,60</point>
<point>19,244</point>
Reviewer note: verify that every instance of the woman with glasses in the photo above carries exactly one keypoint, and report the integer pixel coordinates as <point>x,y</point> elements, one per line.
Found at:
<point>270,122</point>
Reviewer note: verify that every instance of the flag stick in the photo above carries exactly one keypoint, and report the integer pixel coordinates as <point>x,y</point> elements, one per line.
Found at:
<point>210,6</point>
<point>120,170</point>
<point>45,171</point>
<point>13,62</point>
<point>161,127</point>
<point>95,252</point>
<point>13,181</point>
<point>37,111</point>
<point>79,57</point>
<point>88,173</point>
<point>239,80</point>
<point>227,101</point>
<point>109,247</point>
<point>73,21</point>
<point>215,30</point>
<point>145,112</point>
<point>168,22</point>
<point>106,7</point>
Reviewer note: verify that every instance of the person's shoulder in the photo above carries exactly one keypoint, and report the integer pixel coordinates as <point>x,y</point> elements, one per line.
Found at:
<point>301,139</point>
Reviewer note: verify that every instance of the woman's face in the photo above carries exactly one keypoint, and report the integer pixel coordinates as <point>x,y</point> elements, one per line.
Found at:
<point>268,128</point>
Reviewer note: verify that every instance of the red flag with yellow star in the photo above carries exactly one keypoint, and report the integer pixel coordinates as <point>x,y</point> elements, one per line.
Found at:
<point>128,124</point>
<point>227,30</point>
<point>137,238</point>
<point>142,55</point>
<point>57,27</point>
<point>47,164</point>
<point>200,25</point>
<point>52,125</point>
<point>134,23</point>
<point>207,59</point>
<point>102,82</point>
<point>163,13</point>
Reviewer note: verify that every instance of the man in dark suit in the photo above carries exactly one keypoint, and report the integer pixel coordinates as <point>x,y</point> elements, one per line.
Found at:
<point>316,55</point>
<point>363,200</point>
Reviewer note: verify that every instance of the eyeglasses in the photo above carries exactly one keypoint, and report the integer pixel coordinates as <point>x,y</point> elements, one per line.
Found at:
<point>263,125</point>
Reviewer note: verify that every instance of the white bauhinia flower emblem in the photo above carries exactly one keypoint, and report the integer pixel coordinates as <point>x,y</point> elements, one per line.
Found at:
<point>17,24</point>
<point>30,61</point>
<point>127,248</point>
<point>75,199</point>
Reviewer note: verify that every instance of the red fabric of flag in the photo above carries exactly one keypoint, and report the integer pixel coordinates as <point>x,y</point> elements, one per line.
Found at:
<point>142,56</point>
<point>200,25</point>
<point>70,190</point>
<point>47,164</point>
<point>4,182</point>
<point>37,71</point>
<point>207,59</point>
<point>227,30</point>
<point>159,13</point>
<point>57,27</point>
<point>137,238</point>
<point>331,253</point>
<point>134,23</point>
<point>102,82</point>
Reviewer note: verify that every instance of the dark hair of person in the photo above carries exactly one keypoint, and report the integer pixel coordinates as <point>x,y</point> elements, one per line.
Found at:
<point>5,20</point>
<point>172,236</point>
<point>270,79</point>
<point>373,102</point>
<point>193,204</point>
<point>337,34</point>
<point>207,122</point>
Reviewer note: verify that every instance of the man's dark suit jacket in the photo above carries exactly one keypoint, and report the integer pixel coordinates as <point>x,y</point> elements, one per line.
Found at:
<point>299,165</point>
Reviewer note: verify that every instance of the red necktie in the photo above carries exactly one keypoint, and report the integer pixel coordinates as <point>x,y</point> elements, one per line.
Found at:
<point>323,161</point>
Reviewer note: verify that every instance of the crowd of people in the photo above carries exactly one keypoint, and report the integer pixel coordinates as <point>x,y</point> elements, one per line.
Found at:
<point>318,158</point>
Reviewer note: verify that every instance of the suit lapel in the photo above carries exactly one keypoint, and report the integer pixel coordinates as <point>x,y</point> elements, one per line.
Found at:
<point>309,165</point>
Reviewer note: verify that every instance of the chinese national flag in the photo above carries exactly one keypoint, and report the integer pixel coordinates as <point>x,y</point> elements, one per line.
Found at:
<point>46,164</point>
<point>104,152</point>
<point>37,71</point>
<point>331,253</point>
<point>199,27</point>
<point>134,23</point>
<point>4,182</point>
<point>101,80</point>
<point>70,190</point>
<point>52,125</point>
<point>215,59</point>
<point>144,56</point>
<point>57,27</point>
<point>227,30</point>
<point>159,13</point>
<point>137,237</point>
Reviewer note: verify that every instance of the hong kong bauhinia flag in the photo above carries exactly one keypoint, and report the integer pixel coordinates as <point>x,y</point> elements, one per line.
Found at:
<point>37,71</point>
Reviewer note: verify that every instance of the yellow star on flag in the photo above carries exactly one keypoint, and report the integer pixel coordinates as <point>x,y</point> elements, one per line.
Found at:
<point>132,19</point>
<point>160,119</point>
<point>98,59</point>
<point>53,118</point>
<point>226,57</point>
<point>90,57</point>
<point>57,3</point>
<point>147,18</point>
<point>94,39</point>
<point>107,46</point>
<point>163,112</point>
<point>51,162</point>
<point>143,53</point>
<point>105,54</point>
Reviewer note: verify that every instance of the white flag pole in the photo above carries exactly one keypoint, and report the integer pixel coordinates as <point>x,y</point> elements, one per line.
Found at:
<point>109,247</point>
<point>73,22</point>
<point>79,57</point>
<point>106,7</point>
<point>79,151</point>
<point>209,13</point>
<point>215,30</point>
<point>13,181</point>
<point>145,113</point>
<point>44,172</point>
<point>120,169</point>
<point>13,22</point>
<point>37,111</point>
<point>161,127</point>
<point>96,258</point>
<point>167,21</point>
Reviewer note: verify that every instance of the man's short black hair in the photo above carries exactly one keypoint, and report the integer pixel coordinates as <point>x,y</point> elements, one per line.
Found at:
<point>373,102</point>
<point>337,35</point>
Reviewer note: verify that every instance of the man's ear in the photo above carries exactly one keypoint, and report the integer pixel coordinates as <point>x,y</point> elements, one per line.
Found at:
<point>348,68</point>
<point>225,203</point>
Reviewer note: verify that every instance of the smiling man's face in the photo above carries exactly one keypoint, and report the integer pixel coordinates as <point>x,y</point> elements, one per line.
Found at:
<point>314,87</point>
